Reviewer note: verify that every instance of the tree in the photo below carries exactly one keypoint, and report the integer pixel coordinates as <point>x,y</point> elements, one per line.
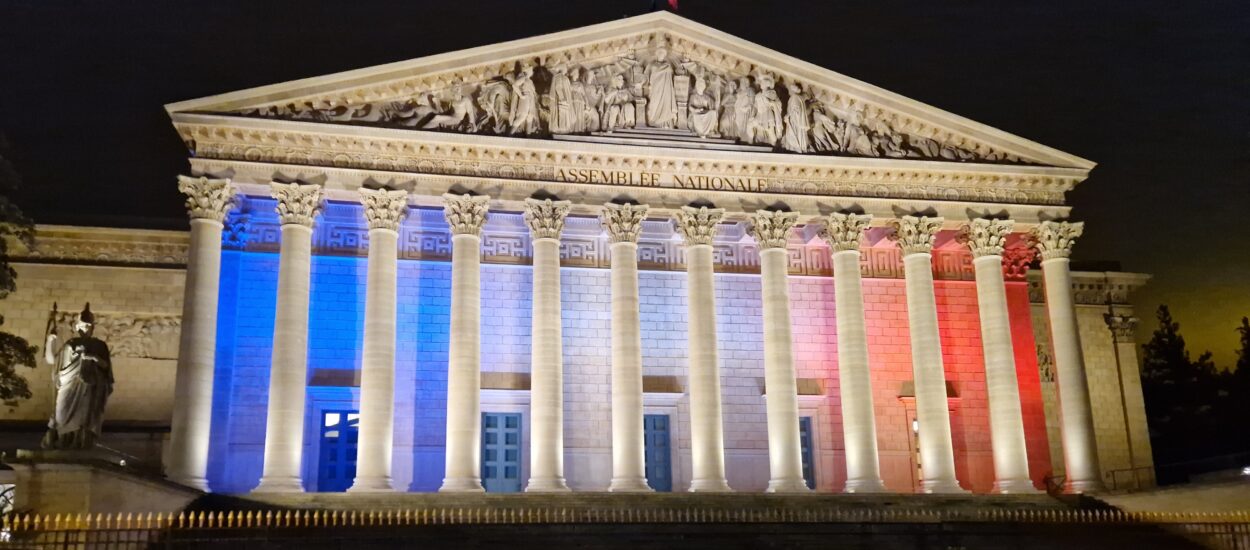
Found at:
<point>1183,396</point>
<point>14,227</point>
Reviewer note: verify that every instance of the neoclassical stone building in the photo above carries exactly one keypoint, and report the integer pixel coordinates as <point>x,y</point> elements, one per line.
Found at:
<point>637,255</point>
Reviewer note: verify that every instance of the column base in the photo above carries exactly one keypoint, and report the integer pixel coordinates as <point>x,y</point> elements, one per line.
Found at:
<point>197,483</point>
<point>1015,487</point>
<point>371,485</point>
<point>629,485</point>
<point>710,486</point>
<point>546,485</point>
<point>787,486</point>
<point>285,484</point>
<point>861,486</point>
<point>461,485</point>
<point>942,487</point>
<point>1076,486</point>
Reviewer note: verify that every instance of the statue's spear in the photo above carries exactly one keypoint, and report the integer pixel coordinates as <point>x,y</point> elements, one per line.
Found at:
<point>51,322</point>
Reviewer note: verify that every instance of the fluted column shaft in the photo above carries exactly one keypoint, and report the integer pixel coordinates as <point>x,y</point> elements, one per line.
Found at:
<point>465,214</point>
<point>546,221</point>
<point>1011,460</point>
<point>1080,449</point>
<point>785,451</point>
<point>624,222</point>
<point>937,455</point>
<point>288,378</point>
<point>859,426</point>
<point>190,430</point>
<point>383,211</point>
<point>707,436</point>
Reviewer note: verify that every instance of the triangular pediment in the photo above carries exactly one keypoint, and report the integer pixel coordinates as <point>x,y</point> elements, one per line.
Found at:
<point>608,84</point>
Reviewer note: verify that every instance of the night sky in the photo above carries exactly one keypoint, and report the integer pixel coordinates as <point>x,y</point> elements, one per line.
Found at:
<point>1157,92</point>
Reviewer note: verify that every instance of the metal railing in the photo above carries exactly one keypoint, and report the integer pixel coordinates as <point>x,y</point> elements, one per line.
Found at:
<point>326,527</point>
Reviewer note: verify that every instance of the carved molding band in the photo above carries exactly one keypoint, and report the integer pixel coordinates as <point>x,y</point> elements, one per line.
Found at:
<point>207,198</point>
<point>545,217</point>
<point>384,208</point>
<point>101,246</point>
<point>623,221</point>
<point>845,231</point>
<point>771,229</point>
<point>297,204</point>
<point>465,214</point>
<point>1055,239</point>
<point>698,225</point>
<point>915,234</point>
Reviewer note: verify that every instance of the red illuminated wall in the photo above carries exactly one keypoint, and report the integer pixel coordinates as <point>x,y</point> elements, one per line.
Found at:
<point>890,358</point>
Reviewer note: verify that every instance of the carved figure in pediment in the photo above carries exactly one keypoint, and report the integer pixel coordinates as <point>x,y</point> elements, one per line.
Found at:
<point>766,124</point>
<point>702,118</point>
<point>660,92</point>
<point>854,137</point>
<point>494,98</point>
<point>744,107</point>
<point>618,105</point>
<point>824,130</point>
<point>524,102</point>
<point>463,114</point>
<point>726,123</point>
<point>563,114</point>
<point>591,95</point>
<point>797,123</point>
<point>420,109</point>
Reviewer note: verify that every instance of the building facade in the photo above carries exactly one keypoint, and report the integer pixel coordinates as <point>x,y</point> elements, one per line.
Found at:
<point>633,256</point>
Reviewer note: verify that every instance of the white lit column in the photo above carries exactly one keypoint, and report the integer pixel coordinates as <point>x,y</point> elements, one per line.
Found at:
<point>785,451</point>
<point>545,219</point>
<point>915,235</point>
<point>384,210</point>
<point>1011,460</point>
<point>298,206</point>
<point>843,232</point>
<point>1080,450</point>
<point>208,200</point>
<point>707,435</point>
<point>463,464</point>
<point>624,223</point>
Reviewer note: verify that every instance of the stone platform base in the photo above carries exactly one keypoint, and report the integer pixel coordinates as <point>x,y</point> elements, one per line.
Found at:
<point>92,481</point>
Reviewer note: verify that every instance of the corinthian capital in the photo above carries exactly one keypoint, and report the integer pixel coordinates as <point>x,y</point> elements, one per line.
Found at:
<point>545,217</point>
<point>986,237</point>
<point>297,204</point>
<point>771,228</point>
<point>915,234</point>
<point>207,198</point>
<point>698,225</point>
<point>845,231</point>
<point>465,213</point>
<point>1055,239</point>
<point>623,221</point>
<point>384,208</point>
<point>1123,327</point>
<point>1016,261</point>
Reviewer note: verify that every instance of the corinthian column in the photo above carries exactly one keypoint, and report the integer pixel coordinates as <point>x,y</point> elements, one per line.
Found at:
<point>384,210</point>
<point>1080,450</point>
<point>298,206</point>
<point>707,435</point>
<point>624,223</point>
<point>465,214</point>
<point>785,453</point>
<point>1011,460</point>
<point>545,219</point>
<point>843,232</point>
<point>208,200</point>
<point>915,235</point>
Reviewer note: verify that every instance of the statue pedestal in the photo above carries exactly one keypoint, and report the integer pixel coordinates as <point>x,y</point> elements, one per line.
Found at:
<point>92,481</point>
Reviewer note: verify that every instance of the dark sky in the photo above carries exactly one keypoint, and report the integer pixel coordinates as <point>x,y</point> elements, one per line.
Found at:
<point>1157,92</point>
